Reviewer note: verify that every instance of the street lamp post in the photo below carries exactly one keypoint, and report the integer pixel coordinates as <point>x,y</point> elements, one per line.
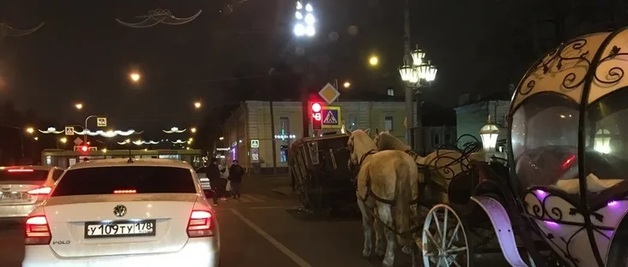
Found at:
<point>416,73</point>
<point>305,27</point>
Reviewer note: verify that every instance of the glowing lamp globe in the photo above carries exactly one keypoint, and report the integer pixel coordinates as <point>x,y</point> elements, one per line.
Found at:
<point>489,134</point>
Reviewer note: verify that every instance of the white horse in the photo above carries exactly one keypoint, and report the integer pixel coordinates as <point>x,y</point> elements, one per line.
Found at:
<point>443,164</point>
<point>387,190</point>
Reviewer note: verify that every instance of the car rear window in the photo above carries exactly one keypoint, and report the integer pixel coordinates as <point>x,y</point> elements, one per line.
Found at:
<point>23,175</point>
<point>136,179</point>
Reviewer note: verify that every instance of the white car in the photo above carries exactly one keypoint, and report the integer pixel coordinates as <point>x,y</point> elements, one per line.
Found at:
<point>124,212</point>
<point>22,188</point>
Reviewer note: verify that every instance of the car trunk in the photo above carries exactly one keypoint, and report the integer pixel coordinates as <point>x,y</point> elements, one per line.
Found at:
<point>113,232</point>
<point>15,184</point>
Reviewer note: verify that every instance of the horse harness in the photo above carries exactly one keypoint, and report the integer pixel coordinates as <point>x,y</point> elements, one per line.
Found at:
<point>392,203</point>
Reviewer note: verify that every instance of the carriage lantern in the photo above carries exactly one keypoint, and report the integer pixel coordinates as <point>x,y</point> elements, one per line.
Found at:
<point>489,134</point>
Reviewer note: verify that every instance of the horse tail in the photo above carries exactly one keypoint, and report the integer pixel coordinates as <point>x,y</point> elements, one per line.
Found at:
<point>403,197</point>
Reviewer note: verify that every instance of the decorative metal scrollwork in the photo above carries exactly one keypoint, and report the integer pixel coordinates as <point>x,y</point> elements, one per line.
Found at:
<point>554,210</point>
<point>614,74</point>
<point>557,59</point>
<point>157,16</point>
<point>449,158</point>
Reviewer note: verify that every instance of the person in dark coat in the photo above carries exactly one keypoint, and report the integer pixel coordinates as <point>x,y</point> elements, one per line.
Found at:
<point>235,177</point>
<point>213,174</point>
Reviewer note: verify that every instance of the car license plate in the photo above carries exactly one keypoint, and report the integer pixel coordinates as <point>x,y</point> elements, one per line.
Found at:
<point>11,196</point>
<point>120,228</point>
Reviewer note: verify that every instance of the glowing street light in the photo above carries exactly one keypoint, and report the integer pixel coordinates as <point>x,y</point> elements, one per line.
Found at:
<point>221,138</point>
<point>374,60</point>
<point>305,21</point>
<point>63,140</point>
<point>193,129</point>
<point>78,106</point>
<point>30,130</point>
<point>346,85</point>
<point>197,104</point>
<point>135,77</point>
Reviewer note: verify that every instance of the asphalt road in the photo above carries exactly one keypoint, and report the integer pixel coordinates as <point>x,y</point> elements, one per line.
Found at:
<point>260,229</point>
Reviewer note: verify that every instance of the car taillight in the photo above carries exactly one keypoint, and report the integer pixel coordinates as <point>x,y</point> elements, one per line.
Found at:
<point>201,224</point>
<point>37,231</point>
<point>40,191</point>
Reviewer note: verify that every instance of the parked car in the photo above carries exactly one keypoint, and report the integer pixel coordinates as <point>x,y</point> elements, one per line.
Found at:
<point>22,188</point>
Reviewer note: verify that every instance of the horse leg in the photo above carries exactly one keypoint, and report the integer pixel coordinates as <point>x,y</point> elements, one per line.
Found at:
<point>380,242</point>
<point>385,214</point>
<point>367,223</point>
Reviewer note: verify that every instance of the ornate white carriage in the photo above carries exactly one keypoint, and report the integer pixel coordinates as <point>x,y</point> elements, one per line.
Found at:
<point>568,161</point>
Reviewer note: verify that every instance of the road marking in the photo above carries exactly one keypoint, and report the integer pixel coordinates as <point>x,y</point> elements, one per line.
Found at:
<point>293,256</point>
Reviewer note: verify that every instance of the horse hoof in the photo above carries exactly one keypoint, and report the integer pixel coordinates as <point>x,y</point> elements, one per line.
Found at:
<point>407,250</point>
<point>387,262</point>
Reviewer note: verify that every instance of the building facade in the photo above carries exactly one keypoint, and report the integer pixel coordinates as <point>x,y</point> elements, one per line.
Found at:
<point>249,131</point>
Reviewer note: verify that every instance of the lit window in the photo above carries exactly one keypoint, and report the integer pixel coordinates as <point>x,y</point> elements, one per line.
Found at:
<point>283,154</point>
<point>390,92</point>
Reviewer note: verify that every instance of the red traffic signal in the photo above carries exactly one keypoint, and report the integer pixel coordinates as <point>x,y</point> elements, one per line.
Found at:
<point>316,107</point>
<point>84,148</point>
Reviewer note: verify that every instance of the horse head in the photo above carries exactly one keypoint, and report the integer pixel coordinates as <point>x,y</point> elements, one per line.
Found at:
<point>359,143</point>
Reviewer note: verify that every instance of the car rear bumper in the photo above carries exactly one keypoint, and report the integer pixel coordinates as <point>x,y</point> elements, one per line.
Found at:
<point>17,211</point>
<point>197,252</point>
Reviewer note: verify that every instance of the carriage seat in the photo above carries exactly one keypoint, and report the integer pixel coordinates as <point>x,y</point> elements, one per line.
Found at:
<point>594,184</point>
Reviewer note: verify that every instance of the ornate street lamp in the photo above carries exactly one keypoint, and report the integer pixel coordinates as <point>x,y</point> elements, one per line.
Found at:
<point>489,134</point>
<point>409,75</point>
<point>416,73</point>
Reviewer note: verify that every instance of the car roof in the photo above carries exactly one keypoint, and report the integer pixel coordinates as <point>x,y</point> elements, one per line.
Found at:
<point>124,162</point>
<point>34,167</point>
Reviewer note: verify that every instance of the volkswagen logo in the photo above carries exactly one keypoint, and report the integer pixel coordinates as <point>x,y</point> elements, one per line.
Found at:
<point>119,211</point>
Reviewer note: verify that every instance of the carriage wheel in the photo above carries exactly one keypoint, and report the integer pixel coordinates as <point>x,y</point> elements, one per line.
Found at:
<point>445,241</point>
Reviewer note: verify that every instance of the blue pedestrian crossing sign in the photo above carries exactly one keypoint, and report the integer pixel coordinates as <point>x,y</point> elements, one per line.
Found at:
<point>331,117</point>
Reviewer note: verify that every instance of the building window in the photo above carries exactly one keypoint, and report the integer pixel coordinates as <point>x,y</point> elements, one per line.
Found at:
<point>284,125</point>
<point>448,138</point>
<point>283,153</point>
<point>390,92</point>
<point>436,139</point>
<point>388,123</point>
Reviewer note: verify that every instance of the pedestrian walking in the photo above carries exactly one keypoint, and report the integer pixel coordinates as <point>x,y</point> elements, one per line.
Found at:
<point>235,178</point>
<point>224,175</point>
<point>213,173</point>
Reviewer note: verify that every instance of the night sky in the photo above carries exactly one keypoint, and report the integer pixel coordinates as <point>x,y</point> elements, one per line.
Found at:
<point>83,54</point>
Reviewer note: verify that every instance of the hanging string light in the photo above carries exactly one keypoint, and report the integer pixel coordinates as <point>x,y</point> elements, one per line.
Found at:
<point>157,16</point>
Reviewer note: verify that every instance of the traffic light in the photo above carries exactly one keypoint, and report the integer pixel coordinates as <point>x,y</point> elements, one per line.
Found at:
<point>84,148</point>
<point>317,116</point>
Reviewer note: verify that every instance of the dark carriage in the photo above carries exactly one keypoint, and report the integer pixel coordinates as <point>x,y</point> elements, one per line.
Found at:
<point>320,172</point>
